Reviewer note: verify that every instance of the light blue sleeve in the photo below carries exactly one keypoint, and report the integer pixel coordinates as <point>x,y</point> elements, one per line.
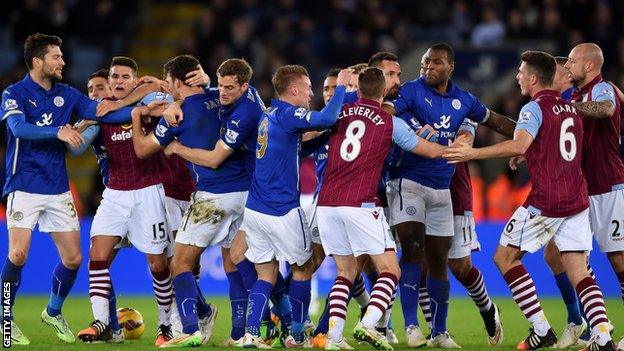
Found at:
<point>530,118</point>
<point>403,135</point>
<point>603,91</point>
<point>468,126</point>
<point>89,135</point>
<point>157,95</point>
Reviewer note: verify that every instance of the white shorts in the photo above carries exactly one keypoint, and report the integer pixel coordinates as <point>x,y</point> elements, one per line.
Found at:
<point>175,210</point>
<point>354,231</point>
<point>412,202</point>
<point>54,213</point>
<point>465,240</point>
<point>606,216</point>
<point>529,231</point>
<point>311,211</point>
<point>212,219</point>
<point>138,215</point>
<point>285,238</point>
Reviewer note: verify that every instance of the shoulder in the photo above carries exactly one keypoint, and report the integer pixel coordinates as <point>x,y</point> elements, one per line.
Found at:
<point>529,111</point>
<point>603,88</point>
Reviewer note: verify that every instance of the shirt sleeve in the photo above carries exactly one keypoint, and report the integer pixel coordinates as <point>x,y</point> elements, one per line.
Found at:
<point>294,118</point>
<point>530,118</point>
<point>164,134</point>
<point>603,91</point>
<point>84,106</point>
<point>89,136</point>
<point>403,135</point>
<point>478,112</point>
<point>401,104</point>
<point>468,126</point>
<point>239,127</point>
<point>12,104</point>
<point>155,96</point>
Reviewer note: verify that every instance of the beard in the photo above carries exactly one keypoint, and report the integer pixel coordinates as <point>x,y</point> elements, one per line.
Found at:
<point>52,74</point>
<point>393,93</point>
<point>577,80</point>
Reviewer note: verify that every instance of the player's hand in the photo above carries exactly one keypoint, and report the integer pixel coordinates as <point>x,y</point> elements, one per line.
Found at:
<point>69,135</point>
<point>173,114</point>
<point>172,148</point>
<point>427,132</point>
<point>515,161</point>
<point>307,136</point>
<point>344,77</point>
<point>106,106</point>
<point>197,77</point>
<point>156,108</point>
<point>459,151</point>
<point>83,124</point>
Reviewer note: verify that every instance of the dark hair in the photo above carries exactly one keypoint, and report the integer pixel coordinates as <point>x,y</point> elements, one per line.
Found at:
<point>284,76</point>
<point>542,64</point>
<point>450,54</point>
<point>236,67</point>
<point>333,72</point>
<point>371,83</point>
<point>561,60</point>
<point>376,59</point>
<point>36,45</point>
<point>179,66</point>
<point>101,73</point>
<point>125,61</point>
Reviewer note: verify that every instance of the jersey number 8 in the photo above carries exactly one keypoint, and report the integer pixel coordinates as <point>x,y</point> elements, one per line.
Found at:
<point>566,137</point>
<point>355,131</point>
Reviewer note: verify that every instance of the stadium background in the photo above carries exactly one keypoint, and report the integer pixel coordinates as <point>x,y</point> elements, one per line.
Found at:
<point>487,36</point>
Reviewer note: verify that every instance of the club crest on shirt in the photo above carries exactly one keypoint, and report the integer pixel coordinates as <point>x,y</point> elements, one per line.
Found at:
<point>59,101</point>
<point>456,104</point>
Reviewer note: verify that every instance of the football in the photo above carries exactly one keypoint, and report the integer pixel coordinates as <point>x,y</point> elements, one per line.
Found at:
<point>131,322</point>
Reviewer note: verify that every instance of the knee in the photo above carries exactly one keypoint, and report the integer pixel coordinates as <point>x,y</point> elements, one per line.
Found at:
<point>18,256</point>
<point>72,261</point>
<point>158,263</point>
<point>318,255</point>
<point>503,260</point>
<point>347,272</point>
<point>459,267</point>
<point>237,253</point>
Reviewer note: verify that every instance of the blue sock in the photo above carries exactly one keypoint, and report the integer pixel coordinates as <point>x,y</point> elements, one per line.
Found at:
<point>323,323</point>
<point>409,286</point>
<point>203,309</point>
<point>439,295</point>
<point>186,297</point>
<point>300,301</point>
<point>281,302</point>
<point>287,279</point>
<point>238,302</point>
<point>372,278</point>
<point>62,281</point>
<point>112,310</point>
<point>248,273</point>
<point>257,303</point>
<point>12,274</point>
<point>568,293</point>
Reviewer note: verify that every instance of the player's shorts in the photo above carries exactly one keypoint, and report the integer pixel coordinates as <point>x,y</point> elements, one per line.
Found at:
<point>529,231</point>
<point>285,238</point>
<point>606,217</point>
<point>465,240</point>
<point>311,211</point>
<point>354,231</point>
<point>54,213</point>
<point>175,210</point>
<point>138,215</point>
<point>413,202</point>
<point>212,219</point>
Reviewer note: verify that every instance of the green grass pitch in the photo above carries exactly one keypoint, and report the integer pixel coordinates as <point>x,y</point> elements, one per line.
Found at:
<point>464,323</point>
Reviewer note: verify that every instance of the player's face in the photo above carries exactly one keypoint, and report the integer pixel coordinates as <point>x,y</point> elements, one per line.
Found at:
<point>392,73</point>
<point>303,91</point>
<point>353,83</point>
<point>52,63</point>
<point>171,87</point>
<point>329,88</point>
<point>98,88</point>
<point>229,89</point>
<point>436,68</point>
<point>122,80</point>
<point>524,79</point>
<point>576,66</point>
<point>562,79</point>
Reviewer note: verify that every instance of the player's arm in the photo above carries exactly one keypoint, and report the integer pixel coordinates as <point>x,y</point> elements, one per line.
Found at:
<point>501,124</point>
<point>404,136</point>
<point>144,145</point>
<point>329,114</point>
<point>602,104</point>
<point>148,84</point>
<point>206,158</point>
<point>89,132</point>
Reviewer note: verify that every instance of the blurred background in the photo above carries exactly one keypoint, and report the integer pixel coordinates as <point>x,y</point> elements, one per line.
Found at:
<point>487,36</point>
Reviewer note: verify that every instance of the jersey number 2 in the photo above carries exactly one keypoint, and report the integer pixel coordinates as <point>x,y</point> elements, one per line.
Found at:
<point>351,146</point>
<point>566,138</point>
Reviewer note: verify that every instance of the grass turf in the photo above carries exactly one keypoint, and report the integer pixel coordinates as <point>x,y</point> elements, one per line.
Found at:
<point>464,323</point>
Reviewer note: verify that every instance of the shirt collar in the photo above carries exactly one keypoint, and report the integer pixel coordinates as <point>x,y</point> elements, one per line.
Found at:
<point>587,87</point>
<point>368,102</point>
<point>280,103</point>
<point>450,88</point>
<point>546,92</point>
<point>30,83</point>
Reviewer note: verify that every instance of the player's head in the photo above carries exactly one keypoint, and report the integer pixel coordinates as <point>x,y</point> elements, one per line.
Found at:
<point>122,76</point>
<point>329,84</point>
<point>388,63</point>
<point>561,82</point>
<point>97,85</point>
<point>292,84</point>
<point>175,71</point>
<point>43,56</point>
<point>584,63</point>
<point>356,70</point>
<point>536,72</point>
<point>233,76</point>
<point>372,84</point>
<point>437,64</point>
